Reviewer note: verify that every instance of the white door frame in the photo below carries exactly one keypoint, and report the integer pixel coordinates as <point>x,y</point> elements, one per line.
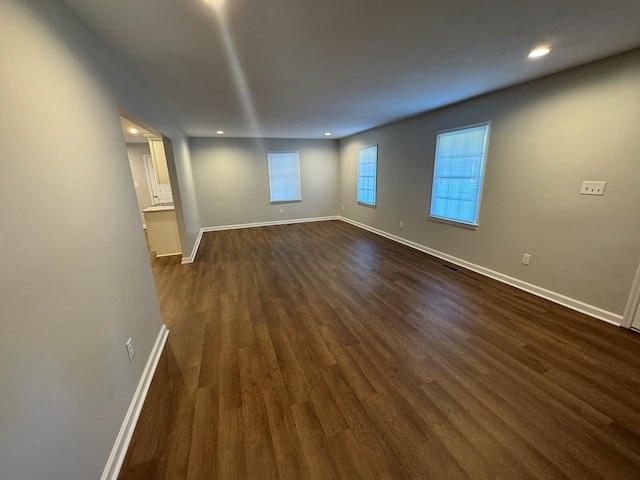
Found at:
<point>633,303</point>
<point>158,192</point>
<point>148,165</point>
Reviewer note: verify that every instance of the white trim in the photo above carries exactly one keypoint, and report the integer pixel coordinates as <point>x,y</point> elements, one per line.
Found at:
<point>220,228</point>
<point>268,224</point>
<point>284,200</point>
<point>114,464</point>
<point>194,250</point>
<point>375,187</point>
<point>485,153</point>
<point>633,303</point>
<point>591,310</point>
<point>146,170</point>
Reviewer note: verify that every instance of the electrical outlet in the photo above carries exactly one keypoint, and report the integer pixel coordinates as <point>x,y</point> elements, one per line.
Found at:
<point>281,211</point>
<point>526,259</point>
<point>401,224</point>
<point>130,351</point>
<point>593,188</point>
<point>343,208</point>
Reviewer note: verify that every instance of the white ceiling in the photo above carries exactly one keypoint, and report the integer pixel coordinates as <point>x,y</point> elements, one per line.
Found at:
<point>299,68</point>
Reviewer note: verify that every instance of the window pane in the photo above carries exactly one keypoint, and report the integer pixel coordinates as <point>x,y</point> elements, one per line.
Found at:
<point>284,176</point>
<point>367,171</point>
<point>458,174</point>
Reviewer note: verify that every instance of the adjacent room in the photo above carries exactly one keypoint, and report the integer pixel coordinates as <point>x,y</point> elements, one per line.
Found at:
<point>337,240</point>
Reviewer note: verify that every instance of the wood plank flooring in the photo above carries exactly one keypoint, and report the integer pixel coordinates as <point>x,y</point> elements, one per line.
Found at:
<point>322,351</point>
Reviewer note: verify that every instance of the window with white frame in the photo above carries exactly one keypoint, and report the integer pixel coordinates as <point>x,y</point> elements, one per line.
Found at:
<point>367,174</point>
<point>458,174</point>
<point>284,176</point>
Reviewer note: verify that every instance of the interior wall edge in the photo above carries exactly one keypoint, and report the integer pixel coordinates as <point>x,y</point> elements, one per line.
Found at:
<point>633,303</point>
<point>194,251</point>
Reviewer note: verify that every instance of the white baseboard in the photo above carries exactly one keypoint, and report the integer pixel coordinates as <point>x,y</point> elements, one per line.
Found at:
<point>268,224</point>
<point>555,297</point>
<point>194,251</point>
<point>114,464</point>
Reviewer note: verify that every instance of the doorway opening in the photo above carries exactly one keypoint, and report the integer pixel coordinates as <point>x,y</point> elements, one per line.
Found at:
<point>146,150</point>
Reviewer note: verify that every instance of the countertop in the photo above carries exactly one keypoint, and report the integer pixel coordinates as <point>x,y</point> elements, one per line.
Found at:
<point>159,207</point>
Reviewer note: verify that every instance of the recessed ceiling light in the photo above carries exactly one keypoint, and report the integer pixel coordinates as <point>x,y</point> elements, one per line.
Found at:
<point>539,52</point>
<point>220,132</point>
<point>133,130</point>
<point>327,134</point>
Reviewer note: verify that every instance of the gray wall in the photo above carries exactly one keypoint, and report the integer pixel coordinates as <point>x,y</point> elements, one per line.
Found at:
<point>546,138</point>
<point>136,152</point>
<point>75,280</point>
<point>232,182</point>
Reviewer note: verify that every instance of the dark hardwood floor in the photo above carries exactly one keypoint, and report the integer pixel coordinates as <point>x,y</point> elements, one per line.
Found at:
<point>321,351</point>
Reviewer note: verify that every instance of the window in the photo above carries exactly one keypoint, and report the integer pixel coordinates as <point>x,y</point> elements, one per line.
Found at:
<point>458,174</point>
<point>367,171</point>
<point>284,176</point>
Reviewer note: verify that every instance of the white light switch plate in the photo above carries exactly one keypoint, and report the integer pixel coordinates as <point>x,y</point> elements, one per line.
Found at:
<point>592,188</point>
